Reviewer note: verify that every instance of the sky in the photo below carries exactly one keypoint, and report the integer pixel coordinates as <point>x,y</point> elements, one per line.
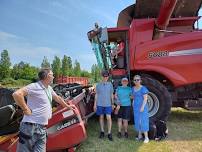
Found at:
<point>30,30</point>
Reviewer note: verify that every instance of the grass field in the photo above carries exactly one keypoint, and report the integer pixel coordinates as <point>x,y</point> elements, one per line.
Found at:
<point>185,135</point>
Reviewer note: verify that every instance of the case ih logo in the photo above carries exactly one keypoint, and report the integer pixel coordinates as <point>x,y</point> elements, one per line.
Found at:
<point>158,54</point>
<point>67,123</point>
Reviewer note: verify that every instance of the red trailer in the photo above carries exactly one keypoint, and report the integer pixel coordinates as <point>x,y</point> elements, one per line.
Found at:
<point>66,80</point>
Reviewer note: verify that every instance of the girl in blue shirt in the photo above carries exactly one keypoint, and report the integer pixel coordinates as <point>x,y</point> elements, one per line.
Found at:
<point>123,94</point>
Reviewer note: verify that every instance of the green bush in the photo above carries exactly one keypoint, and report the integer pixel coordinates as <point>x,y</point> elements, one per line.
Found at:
<point>23,82</point>
<point>10,82</point>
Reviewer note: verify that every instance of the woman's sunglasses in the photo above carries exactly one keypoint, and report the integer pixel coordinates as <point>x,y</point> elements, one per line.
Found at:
<point>136,80</point>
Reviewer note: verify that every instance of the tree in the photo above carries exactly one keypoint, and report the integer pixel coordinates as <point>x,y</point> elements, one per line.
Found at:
<point>95,73</point>
<point>77,69</point>
<point>5,65</point>
<point>24,71</point>
<point>65,66</point>
<point>70,66</point>
<point>56,66</point>
<point>45,63</point>
<point>85,73</point>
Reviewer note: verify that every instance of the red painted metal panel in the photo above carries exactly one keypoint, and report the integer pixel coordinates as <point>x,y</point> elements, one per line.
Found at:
<point>141,30</point>
<point>182,62</point>
<point>115,72</point>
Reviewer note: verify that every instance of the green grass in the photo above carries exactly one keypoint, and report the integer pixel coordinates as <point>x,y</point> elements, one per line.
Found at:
<point>185,135</point>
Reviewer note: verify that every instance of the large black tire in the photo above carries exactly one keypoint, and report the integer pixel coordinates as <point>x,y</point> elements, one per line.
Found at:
<point>159,99</point>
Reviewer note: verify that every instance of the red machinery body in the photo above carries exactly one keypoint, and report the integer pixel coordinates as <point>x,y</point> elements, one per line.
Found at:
<point>178,57</point>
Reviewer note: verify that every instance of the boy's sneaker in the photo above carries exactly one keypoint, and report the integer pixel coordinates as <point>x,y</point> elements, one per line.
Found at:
<point>146,140</point>
<point>119,135</point>
<point>110,137</point>
<point>126,134</point>
<point>102,135</point>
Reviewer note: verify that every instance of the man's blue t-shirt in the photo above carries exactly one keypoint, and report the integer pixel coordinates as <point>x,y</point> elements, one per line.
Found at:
<point>124,94</point>
<point>104,91</point>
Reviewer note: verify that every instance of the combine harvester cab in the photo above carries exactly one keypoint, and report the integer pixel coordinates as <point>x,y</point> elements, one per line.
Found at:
<point>163,46</point>
<point>66,129</point>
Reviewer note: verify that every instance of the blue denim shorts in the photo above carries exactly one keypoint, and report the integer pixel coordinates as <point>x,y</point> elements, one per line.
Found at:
<point>104,110</point>
<point>32,138</point>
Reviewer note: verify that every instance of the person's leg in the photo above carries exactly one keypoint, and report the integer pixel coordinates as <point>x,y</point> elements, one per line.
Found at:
<point>119,124</point>
<point>101,119</point>
<point>146,134</point>
<point>40,139</point>
<point>25,143</point>
<point>125,125</point>
<point>145,123</point>
<point>109,126</point>
<point>108,111</point>
<point>109,123</point>
<point>126,117</point>
<point>146,139</point>
<point>139,135</point>
<point>100,113</point>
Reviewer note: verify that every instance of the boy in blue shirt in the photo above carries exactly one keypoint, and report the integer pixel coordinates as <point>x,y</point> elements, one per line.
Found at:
<point>123,95</point>
<point>103,103</point>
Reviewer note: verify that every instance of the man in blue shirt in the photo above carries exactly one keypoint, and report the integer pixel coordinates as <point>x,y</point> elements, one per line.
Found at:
<point>103,103</point>
<point>123,95</point>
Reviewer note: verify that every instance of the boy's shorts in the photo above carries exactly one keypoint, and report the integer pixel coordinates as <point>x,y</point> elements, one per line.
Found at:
<point>103,110</point>
<point>124,112</point>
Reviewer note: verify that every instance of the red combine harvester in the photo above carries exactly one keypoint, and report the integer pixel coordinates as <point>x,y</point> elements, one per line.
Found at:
<point>66,128</point>
<point>163,46</point>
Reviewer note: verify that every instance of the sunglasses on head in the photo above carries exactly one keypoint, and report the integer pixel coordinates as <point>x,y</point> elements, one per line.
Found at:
<point>136,80</point>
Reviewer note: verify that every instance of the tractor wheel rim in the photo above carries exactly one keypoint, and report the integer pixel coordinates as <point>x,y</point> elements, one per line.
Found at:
<point>153,104</point>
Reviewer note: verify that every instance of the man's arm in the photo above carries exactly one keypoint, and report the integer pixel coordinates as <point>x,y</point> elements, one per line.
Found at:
<point>112,94</point>
<point>112,99</point>
<point>20,100</point>
<point>95,103</point>
<point>95,100</point>
<point>61,101</point>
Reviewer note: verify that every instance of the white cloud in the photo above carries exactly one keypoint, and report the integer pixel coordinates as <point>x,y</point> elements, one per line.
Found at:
<point>5,36</point>
<point>56,4</point>
<point>22,50</point>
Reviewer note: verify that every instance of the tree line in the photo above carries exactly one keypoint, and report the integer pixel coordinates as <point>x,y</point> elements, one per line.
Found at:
<point>60,67</point>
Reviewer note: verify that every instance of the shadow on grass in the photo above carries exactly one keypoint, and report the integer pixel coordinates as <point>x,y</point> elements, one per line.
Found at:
<point>185,125</point>
<point>182,114</point>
